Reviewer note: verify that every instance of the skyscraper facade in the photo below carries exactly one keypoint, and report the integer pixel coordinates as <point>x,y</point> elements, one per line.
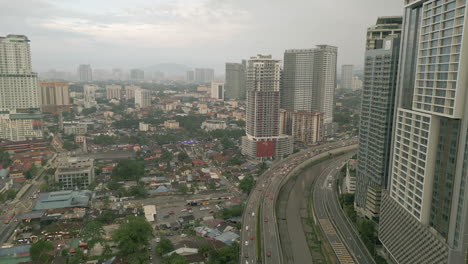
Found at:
<point>347,73</point>
<point>235,81</point>
<point>263,139</point>
<point>424,213</point>
<point>142,98</point>
<point>375,128</point>
<point>20,116</point>
<point>85,73</point>
<point>204,75</point>
<point>54,96</point>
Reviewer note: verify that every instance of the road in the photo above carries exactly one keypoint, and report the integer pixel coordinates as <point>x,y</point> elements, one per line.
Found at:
<point>263,198</point>
<point>342,237</point>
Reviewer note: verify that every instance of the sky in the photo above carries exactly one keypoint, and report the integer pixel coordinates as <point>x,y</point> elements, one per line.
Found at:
<point>197,33</point>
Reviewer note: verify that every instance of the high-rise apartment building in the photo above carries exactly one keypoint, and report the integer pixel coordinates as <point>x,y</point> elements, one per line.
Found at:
<point>217,90</point>
<point>347,73</point>
<point>89,94</point>
<point>385,26</point>
<point>130,91</point>
<point>117,74</point>
<point>54,96</point>
<point>137,75</point>
<point>113,92</point>
<point>305,127</point>
<point>190,76</point>
<point>377,106</point>
<point>20,116</point>
<point>424,213</point>
<point>142,98</point>
<point>85,73</point>
<point>204,75</point>
<point>235,81</point>
<point>263,139</point>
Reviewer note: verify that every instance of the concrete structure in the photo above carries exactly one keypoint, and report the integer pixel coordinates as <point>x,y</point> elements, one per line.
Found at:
<point>143,127</point>
<point>142,98</point>
<point>85,73</point>
<point>347,73</point>
<point>54,96</point>
<point>351,176</point>
<point>150,212</point>
<point>305,127</point>
<point>62,199</point>
<point>75,129</point>
<point>204,75</point>
<point>309,80</point>
<point>263,139</point>
<point>137,75</point>
<point>75,172</point>
<point>130,91</point>
<point>190,76</point>
<point>384,27</point>
<point>217,90</point>
<point>424,213</point>
<point>20,116</point>
<point>377,107</point>
<point>171,124</point>
<point>210,125</point>
<point>357,83</point>
<point>235,81</point>
<point>113,92</point>
<point>89,95</point>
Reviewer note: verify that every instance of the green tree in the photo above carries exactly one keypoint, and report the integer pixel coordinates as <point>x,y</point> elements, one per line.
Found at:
<point>10,194</point>
<point>183,157</point>
<point>4,158</point>
<point>166,155</point>
<point>183,188</point>
<point>175,259</point>
<point>132,238</point>
<point>164,246</point>
<point>93,233</point>
<point>247,183</point>
<point>38,251</point>
<point>78,258</point>
<point>88,111</point>
<point>104,140</point>
<point>233,211</point>
<point>138,191</point>
<point>113,185</point>
<point>128,170</point>
<point>70,146</point>
<point>31,173</point>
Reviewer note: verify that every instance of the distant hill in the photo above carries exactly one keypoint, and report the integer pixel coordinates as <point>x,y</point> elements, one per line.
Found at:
<point>169,68</point>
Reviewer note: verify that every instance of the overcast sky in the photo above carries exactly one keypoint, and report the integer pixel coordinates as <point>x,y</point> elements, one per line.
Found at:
<point>197,33</point>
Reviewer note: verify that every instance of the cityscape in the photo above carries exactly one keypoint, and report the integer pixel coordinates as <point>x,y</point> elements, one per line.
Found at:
<point>222,132</point>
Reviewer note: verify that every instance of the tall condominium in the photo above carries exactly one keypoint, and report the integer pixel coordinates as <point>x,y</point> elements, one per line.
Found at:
<point>89,94</point>
<point>85,73</point>
<point>263,139</point>
<point>424,213</point>
<point>385,26</point>
<point>130,91</point>
<point>54,96</point>
<point>377,106</point>
<point>190,76</point>
<point>235,81</point>
<point>20,116</point>
<point>309,81</point>
<point>113,92</point>
<point>137,75</point>
<point>142,98</point>
<point>204,75</point>
<point>217,90</point>
<point>347,73</point>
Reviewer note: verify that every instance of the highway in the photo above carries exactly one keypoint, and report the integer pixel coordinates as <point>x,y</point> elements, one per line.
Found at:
<point>263,197</point>
<point>343,238</point>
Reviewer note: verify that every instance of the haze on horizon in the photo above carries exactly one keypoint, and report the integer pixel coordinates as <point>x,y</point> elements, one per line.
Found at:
<point>196,33</point>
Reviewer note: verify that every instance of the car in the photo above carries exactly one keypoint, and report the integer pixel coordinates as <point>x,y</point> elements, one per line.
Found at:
<point>184,210</point>
<point>267,195</point>
<point>171,213</point>
<point>271,197</point>
<point>246,243</point>
<point>7,221</point>
<point>266,220</point>
<point>247,228</point>
<point>246,255</point>
<point>211,211</point>
<point>252,237</point>
<point>269,253</point>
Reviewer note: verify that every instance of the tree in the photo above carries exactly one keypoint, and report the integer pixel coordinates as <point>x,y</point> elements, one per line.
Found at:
<point>31,173</point>
<point>183,157</point>
<point>132,238</point>
<point>38,251</point>
<point>128,170</point>
<point>164,246</point>
<point>175,259</point>
<point>104,140</point>
<point>183,188</point>
<point>88,111</point>
<point>10,194</point>
<point>78,258</point>
<point>70,146</point>
<point>113,185</point>
<point>246,184</point>
<point>93,233</point>
<point>227,143</point>
<point>233,211</point>
<point>138,191</point>
<point>225,255</point>
<point>166,155</point>
<point>4,158</point>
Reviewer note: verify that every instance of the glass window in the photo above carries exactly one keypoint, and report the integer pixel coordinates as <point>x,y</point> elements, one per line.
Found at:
<point>444,59</point>
<point>450,14</point>
<point>446,41</point>
<point>443,67</point>
<point>445,50</point>
<point>447,33</point>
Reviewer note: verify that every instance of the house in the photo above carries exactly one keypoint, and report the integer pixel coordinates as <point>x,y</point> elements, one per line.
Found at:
<point>228,237</point>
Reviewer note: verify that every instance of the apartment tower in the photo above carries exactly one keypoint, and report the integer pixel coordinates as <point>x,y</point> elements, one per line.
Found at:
<point>347,73</point>
<point>85,73</point>
<point>235,81</point>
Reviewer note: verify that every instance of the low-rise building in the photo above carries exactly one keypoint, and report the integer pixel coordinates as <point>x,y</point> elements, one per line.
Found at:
<point>75,129</point>
<point>75,173</point>
<point>351,176</point>
<point>210,125</point>
<point>171,124</point>
<point>143,127</point>
<point>62,199</point>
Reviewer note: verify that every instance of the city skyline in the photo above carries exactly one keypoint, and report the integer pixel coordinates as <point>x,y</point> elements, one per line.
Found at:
<point>86,34</point>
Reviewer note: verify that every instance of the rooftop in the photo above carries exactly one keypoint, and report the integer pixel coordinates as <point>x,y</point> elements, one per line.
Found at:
<point>62,199</point>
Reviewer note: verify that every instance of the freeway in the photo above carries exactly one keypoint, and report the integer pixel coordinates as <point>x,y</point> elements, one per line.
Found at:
<point>342,237</point>
<point>263,197</point>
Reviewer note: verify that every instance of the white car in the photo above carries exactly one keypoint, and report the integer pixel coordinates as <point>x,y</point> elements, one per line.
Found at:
<point>247,228</point>
<point>253,214</point>
<point>246,243</point>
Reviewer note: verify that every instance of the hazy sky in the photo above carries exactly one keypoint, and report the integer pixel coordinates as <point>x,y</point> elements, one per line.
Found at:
<point>198,33</point>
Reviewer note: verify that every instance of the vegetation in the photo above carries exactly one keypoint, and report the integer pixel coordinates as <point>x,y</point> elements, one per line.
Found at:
<point>104,140</point>
<point>128,170</point>
<point>132,238</point>
<point>175,259</point>
<point>183,157</point>
<point>5,160</point>
<point>88,111</point>
<point>39,251</point>
<point>224,255</point>
<point>92,233</point>
<point>164,246</point>
<point>233,211</point>
<point>70,146</point>
<point>31,172</point>
<point>347,203</point>
<point>247,183</point>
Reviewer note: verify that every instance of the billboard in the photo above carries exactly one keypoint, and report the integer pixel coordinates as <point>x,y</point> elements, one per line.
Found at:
<point>266,148</point>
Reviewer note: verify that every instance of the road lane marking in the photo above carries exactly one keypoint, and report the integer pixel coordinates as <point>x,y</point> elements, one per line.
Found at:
<point>327,227</point>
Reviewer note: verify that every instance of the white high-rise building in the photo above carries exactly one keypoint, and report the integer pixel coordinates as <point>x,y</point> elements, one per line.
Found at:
<point>263,139</point>
<point>142,98</point>
<point>347,73</point>
<point>89,94</point>
<point>217,90</point>
<point>85,73</point>
<point>20,116</point>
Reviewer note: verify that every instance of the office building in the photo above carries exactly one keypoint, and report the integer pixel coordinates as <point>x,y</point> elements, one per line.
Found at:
<point>347,73</point>
<point>75,173</point>
<point>204,75</point>
<point>263,139</point>
<point>137,75</point>
<point>85,73</point>
<point>20,116</point>
<point>217,90</point>
<point>190,76</point>
<point>235,81</point>
<point>375,128</point>
<point>423,217</point>
<point>113,92</point>
<point>89,95</point>
<point>142,98</point>
<point>54,96</point>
